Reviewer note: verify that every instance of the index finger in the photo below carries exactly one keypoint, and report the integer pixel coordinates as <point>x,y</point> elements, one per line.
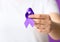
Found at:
<point>39,16</point>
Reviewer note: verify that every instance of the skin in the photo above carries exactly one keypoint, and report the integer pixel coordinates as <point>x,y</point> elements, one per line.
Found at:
<point>49,24</point>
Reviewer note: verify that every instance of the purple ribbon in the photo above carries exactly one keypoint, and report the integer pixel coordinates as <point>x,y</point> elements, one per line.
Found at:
<point>28,20</point>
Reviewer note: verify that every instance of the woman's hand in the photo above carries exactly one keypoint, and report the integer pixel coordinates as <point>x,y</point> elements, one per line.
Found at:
<point>48,24</point>
<point>42,22</point>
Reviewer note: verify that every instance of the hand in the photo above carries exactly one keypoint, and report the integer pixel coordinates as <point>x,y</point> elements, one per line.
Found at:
<point>42,22</point>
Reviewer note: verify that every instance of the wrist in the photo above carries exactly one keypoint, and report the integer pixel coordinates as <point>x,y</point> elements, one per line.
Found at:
<point>55,31</point>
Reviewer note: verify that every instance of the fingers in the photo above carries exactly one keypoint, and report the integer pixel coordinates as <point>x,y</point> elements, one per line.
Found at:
<point>43,26</point>
<point>42,22</point>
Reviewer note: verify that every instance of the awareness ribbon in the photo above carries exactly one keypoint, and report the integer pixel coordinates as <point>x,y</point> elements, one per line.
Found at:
<point>29,20</point>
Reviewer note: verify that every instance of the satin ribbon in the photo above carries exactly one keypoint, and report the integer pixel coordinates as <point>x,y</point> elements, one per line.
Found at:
<point>29,20</point>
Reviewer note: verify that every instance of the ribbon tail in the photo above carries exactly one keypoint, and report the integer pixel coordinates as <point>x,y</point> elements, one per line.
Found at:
<point>31,22</point>
<point>26,23</point>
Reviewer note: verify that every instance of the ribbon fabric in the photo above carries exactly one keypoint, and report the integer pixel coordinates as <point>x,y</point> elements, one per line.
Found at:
<point>28,20</point>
